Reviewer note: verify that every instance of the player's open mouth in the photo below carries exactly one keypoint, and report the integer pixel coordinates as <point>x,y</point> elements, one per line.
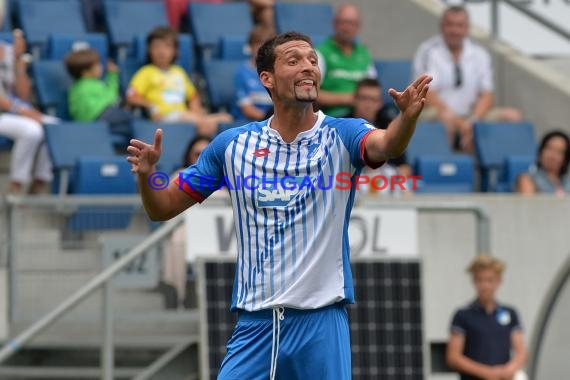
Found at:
<point>306,83</point>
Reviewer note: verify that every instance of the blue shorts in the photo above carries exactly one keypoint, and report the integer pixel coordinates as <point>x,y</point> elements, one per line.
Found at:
<point>313,344</point>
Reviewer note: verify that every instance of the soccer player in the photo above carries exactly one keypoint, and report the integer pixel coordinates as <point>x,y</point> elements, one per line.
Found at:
<point>293,277</point>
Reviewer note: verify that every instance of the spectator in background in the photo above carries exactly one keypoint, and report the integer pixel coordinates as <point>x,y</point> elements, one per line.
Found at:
<point>462,91</point>
<point>550,173</point>
<point>369,105</point>
<point>91,98</point>
<point>343,62</point>
<point>20,122</point>
<point>263,13</point>
<point>485,332</point>
<point>164,89</point>
<point>252,101</point>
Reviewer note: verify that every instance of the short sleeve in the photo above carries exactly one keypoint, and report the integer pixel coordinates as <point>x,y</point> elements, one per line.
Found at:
<point>206,176</point>
<point>420,64</point>
<point>240,87</point>
<point>486,71</point>
<point>458,324</point>
<point>353,133</point>
<point>140,81</point>
<point>515,321</point>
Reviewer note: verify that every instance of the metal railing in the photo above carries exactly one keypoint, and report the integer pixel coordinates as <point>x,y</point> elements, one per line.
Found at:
<point>102,280</point>
<point>495,17</point>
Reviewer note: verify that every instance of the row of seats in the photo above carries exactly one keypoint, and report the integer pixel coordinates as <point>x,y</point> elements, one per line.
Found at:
<point>127,19</point>
<point>503,152</point>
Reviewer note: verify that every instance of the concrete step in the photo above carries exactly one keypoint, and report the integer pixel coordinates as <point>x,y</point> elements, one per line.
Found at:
<point>159,330</point>
<point>39,292</point>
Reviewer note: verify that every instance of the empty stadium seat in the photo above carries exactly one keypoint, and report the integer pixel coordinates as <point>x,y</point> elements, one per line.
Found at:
<point>312,19</point>
<point>429,138</point>
<point>6,37</point>
<point>51,82</point>
<point>210,22</point>
<point>234,48</point>
<point>185,51</point>
<point>59,45</point>
<point>396,74</point>
<point>175,140</point>
<point>234,124</point>
<point>444,174</point>
<point>127,70</point>
<point>494,142</point>
<point>67,142</point>
<point>219,75</point>
<point>102,176</point>
<point>41,18</point>
<point>7,22</point>
<point>126,19</point>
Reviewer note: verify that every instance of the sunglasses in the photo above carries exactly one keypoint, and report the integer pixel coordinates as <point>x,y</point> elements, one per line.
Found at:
<point>458,76</point>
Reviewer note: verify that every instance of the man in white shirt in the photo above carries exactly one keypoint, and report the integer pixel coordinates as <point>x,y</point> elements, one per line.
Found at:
<point>462,91</point>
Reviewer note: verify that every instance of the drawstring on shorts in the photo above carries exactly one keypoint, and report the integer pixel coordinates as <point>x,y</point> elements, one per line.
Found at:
<point>278,316</point>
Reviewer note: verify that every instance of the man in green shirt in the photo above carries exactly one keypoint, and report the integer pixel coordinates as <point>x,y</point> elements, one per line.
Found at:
<point>343,63</point>
<point>90,98</point>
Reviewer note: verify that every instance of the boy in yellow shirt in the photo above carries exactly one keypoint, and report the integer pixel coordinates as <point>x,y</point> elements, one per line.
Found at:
<point>165,90</point>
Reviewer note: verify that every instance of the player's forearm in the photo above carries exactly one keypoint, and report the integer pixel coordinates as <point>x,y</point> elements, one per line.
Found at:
<point>465,365</point>
<point>22,86</point>
<point>398,135</point>
<point>156,202</point>
<point>329,99</point>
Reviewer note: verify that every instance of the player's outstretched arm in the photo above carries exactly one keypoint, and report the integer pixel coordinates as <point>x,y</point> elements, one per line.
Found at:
<point>159,204</point>
<point>392,142</point>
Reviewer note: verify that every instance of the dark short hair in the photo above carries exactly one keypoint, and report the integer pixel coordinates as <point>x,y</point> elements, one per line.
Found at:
<point>162,33</point>
<point>77,62</point>
<point>368,82</point>
<point>545,140</point>
<point>265,59</point>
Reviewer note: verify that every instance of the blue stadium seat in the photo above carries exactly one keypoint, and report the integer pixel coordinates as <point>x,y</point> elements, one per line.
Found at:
<point>102,176</point>
<point>234,48</point>
<point>127,70</point>
<point>396,74</point>
<point>126,19</point>
<point>5,143</point>
<point>429,138</point>
<point>312,19</point>
<point>6,37</point>
<point>59,45</point>
<point>51,82</point>
<point>185,51</point>
<point>494,142</point>
<point>175,140</point>
<point>210,22</point>
<point>514,167</point>
<point>219,75</point>
<point>67,142</point>
<point>41,18</point>
<point>444,174</point>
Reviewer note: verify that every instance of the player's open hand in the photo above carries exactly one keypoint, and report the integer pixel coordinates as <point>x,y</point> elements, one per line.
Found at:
<point>411,101</point>
<point>145,156</point>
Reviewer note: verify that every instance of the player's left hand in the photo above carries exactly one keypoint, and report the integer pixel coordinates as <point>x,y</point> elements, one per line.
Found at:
<point>411,101</point>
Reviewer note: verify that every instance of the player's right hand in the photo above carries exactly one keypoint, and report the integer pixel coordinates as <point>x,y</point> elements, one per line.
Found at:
<point>143,157</point>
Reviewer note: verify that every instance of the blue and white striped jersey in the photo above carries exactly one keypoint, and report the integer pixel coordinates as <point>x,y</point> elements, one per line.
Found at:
<point>291,214</point>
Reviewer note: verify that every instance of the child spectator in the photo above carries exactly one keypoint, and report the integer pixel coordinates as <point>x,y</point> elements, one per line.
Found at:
<point>91,98</point>
<point>252,99</point>
<point>164,89</point>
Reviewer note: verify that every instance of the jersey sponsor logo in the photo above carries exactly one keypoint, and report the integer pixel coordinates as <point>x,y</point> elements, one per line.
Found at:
<point>279,192</point>
<point>261,152</point>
